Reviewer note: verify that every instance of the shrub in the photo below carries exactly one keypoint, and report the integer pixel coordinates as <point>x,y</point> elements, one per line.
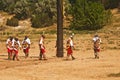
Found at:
<point>12,22</point>
<point>110,4</point>
<point>88,15</point>
<point>24,9</point>
<point>41,20</point>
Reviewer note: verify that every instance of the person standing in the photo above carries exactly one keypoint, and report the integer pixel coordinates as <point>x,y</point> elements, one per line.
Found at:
<point>26,46</point>
<point>96,45</point>
<point>42,48</point>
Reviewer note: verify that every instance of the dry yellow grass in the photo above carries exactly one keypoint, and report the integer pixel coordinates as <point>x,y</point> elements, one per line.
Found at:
<point>85,67</point>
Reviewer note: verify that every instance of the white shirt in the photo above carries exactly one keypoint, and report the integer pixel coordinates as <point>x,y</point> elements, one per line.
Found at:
<point>9,40</point>
<point>13,40</point>
<point>96,38</point>
<point>41,41</point>
<point>71,42</point>
<point>27,40</point>
<point>19,43</point>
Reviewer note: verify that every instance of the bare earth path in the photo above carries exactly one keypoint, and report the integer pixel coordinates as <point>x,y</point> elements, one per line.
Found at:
<point>85,67</point>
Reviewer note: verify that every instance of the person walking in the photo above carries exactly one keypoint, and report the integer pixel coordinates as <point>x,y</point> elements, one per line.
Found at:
<point>26,46</point>
<point>69,48</point>
<point>42,48</point>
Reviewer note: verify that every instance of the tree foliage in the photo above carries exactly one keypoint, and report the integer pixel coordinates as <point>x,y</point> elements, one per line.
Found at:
<point>88,15</point>
<point>44,13</point>
<point>24,9</point>
<point>41,20</point>
<point>110,4</point>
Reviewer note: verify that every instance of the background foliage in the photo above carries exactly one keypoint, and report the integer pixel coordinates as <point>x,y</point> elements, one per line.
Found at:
<point>41,12</point>
<point>90,13</point>
<point>12,22</point>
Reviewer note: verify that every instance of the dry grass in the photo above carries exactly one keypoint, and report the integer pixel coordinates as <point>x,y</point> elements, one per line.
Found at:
<point>85,67</point>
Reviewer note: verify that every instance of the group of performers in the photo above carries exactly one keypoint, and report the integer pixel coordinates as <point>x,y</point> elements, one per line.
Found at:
<point>13,45</point>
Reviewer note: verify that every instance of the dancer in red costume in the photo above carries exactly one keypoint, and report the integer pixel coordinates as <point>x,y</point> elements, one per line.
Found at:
<point>96,41</point>
<point>9,47</point>
<point>42,48</point>
<point>16,49</point>
<point>26,46</point>
<point>69,48</point>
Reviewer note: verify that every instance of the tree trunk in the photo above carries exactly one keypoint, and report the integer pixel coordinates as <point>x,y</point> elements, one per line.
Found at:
<point>59,28</point>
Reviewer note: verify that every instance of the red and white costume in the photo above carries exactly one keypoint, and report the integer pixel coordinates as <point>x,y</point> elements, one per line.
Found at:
<point>97,46</point>
<point>25,45</point>
<point>69,46</point>
<point>97,42</point>
<point>9,46</point>
<point>16,47</point>
<point>42,47</point>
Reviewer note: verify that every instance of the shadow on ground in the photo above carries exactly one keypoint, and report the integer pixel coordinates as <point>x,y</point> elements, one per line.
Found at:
<point>114,75</point>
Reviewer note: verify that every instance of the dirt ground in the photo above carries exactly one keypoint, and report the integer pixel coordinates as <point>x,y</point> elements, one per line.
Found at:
<point>84,67</point>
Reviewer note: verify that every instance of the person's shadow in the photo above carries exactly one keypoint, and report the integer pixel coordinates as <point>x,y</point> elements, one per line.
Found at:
<point>90,58</point>
<point>114,75</point>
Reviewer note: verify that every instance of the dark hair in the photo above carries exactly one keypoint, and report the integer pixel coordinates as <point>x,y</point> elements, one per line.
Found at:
<point>16,39</point>
<point>11,38</point>
<point>68,41</point>
<point>96,36</point>
<point>25,37</point>
<point>43,36</point>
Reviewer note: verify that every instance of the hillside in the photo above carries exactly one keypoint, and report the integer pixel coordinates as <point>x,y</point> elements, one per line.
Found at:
<point>110,33</point>
<point>84,67</point>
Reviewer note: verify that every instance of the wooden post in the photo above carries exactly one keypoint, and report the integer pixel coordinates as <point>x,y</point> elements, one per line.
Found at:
<point>59,28</point>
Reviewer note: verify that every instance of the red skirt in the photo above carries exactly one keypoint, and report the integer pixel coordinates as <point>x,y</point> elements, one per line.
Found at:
<point>15,51</point>
<point>26,50</point>
<point>96,49</point>
<point>9,50</point>
<point>42,51</point>
<point>69,51</point>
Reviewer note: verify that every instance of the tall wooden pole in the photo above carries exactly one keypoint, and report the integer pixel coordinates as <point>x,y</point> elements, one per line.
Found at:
<point>59,28</point>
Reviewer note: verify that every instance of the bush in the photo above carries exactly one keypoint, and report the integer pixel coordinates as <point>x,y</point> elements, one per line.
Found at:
<point>88,15</point>
<point>41,20</point>
<point>12,22</point>
<point>24,9</point>
<point>110,4</point>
